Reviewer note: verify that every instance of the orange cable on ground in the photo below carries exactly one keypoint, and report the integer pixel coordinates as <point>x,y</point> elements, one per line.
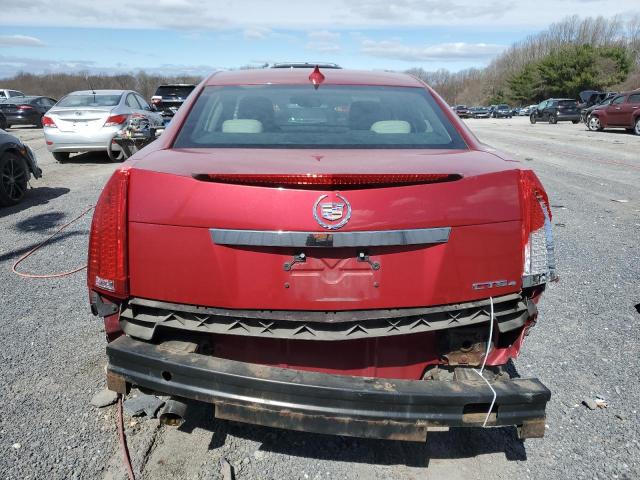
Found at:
<point>40,245</point>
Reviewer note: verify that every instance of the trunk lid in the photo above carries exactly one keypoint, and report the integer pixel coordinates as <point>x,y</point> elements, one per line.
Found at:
<point>174,257</point>
<point>79,119</point>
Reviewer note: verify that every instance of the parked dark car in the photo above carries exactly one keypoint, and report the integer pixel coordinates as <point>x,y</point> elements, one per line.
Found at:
<point>17,165</point>
<point>556,110</point>
<point>501,111</point>
<point>589,98</point>
<point>168,98</point>
<point>26,110</point>
<point>462,111</point>
<point>586,111</point>
<point>480,112</point>
<point>622,112</point>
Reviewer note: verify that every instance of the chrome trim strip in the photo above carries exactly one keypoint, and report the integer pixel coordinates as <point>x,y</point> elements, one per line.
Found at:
<point>382,238</point>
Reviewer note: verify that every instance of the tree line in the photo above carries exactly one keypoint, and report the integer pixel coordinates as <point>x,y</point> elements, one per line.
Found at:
<point>57,85</point>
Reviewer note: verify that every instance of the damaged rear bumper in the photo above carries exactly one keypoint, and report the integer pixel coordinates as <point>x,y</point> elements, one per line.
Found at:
<point>323,403</point>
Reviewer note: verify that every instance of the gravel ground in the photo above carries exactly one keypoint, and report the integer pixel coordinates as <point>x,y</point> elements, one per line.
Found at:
<point>586,344</point>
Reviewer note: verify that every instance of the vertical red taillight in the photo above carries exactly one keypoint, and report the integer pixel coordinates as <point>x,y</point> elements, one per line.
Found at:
<point>539,264</point>
<point>107,269</point>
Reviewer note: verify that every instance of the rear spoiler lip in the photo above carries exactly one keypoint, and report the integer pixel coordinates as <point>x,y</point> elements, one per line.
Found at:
<point>323,181</point>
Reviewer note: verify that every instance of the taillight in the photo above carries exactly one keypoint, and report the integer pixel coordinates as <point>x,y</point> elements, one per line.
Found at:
<point>107,263</point>
<point>115,120</point>
<point>25,107</point>
<point>48,122</point>
<point>537,235</point>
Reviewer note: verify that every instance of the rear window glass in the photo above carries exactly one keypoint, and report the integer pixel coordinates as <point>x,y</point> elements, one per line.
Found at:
<point>333,116</point>
<point>567,103</point>
<point>90,100</point>
<point>179,93</point>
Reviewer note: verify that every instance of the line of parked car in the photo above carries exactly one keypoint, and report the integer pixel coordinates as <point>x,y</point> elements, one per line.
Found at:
<point>493,111</point>
<point>597,110</point>
<point>81,121</point>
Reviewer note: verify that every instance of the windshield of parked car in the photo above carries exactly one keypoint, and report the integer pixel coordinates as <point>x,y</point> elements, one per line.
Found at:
<point>179,92</point>
<point>332,116</point>
<point>90,100</point>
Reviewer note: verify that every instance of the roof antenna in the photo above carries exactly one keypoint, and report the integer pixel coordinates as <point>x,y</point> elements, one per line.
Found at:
<point>316,77</point>
<point>90,87</point>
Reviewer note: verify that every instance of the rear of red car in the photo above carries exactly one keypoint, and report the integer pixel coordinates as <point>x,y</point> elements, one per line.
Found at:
<point>336,256</point>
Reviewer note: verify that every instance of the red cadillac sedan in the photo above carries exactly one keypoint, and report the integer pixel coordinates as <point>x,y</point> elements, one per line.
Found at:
<point>330,251</point>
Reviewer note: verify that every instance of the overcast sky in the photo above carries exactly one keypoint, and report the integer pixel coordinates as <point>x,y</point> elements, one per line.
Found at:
<point>190,36</point>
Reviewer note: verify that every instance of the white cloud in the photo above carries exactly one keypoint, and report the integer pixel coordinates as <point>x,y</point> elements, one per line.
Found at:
<point>257,33</point>
<point>395,50</point>
<point>303,15</point>
<point>20,41</point>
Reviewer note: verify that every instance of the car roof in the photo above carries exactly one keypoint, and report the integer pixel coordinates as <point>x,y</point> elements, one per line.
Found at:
<point>99,92</point>
<point>300,76</point>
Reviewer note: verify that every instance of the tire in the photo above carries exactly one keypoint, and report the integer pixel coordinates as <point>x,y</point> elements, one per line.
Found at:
<point>533,119</point>
<point>553,119</point>
<point>61,157</point>
<point>3,123</point>
<point>593,124</point>
<point>636,128</point>
<point>115,156</point>
<point>575,122</point>
<point>14,175</point>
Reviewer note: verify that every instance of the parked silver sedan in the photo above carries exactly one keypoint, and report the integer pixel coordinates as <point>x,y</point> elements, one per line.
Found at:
<point>86,121</point>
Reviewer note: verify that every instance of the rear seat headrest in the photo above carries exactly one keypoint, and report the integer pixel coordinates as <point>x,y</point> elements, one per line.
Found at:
<point>242,125</point>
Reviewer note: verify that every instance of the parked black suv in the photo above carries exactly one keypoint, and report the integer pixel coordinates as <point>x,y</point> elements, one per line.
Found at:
<point>556,110</point>
<point>168,98</point>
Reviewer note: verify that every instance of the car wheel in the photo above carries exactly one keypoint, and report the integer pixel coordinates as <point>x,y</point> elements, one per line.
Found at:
<point>3,123</point>
<point>13,179</point>
<point>575,122</point>
<point>553,119</point>
<point>594,124</point>
<point>533,119</point>
<point>115,155</point>
<point>61,157</point>
<point>637,127</point>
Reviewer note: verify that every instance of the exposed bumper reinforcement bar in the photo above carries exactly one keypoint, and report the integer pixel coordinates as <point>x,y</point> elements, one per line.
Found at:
<point>322,403</point>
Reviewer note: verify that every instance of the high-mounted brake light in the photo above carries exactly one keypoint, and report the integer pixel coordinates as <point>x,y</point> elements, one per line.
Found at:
<point>115,120</point>
<point>107,263</point>
<point>537,236</point>
<point>316,77</point>
<point>323,180</point>
<point>48,122</point>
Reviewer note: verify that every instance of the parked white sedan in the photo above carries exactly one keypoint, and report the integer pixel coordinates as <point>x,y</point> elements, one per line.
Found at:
<point>88,120</point>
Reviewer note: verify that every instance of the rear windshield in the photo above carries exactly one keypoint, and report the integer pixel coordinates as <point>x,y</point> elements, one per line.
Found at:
<point>333,116</point>
<point>567,103</point>
<point>179,93</point>
<point>90,100</point>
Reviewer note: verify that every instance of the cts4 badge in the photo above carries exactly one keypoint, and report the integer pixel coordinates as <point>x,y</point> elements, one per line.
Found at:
<point>332,214</point>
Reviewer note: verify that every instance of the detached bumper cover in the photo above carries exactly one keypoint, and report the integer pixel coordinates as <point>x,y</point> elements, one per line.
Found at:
<point>317,402</point>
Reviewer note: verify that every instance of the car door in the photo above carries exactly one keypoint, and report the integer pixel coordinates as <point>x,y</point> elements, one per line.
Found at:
<point>539,112</point>
<point>628,110</point>
<point>616,115</point>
